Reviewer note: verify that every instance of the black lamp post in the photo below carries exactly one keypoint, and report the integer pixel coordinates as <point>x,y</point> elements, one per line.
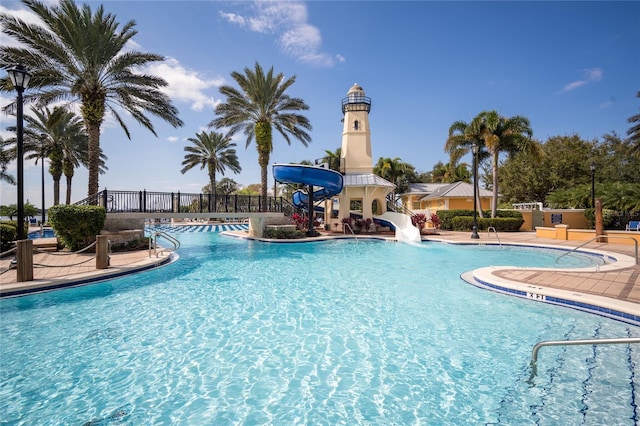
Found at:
<point>592,166</point>
<point>20,80</point>
<point>42,166</point>
<point>474,231</point>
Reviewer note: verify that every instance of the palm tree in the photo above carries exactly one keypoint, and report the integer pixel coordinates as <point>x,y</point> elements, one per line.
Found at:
<point>333,159</point>
<point>79,55</point>
<point>502,134</point>
<point>459,143</point>
<point>494,133</point>
<point>634,131</point>
<point>213,150</point>
<point>391,169</point>
<point>257,108</point>
<point>58,135</point>
<point>5,158</point>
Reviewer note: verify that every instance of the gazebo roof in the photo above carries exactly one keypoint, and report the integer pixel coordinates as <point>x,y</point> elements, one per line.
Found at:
<point>366,179</point>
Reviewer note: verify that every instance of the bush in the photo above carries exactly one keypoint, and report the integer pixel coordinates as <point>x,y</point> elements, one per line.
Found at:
<point>77,226</point>
<point>133,245</point>
<point>419,220</point>
<point>8,234</point>
<point>447,216</point>
<point>502,224</point>
<point>283,234</point>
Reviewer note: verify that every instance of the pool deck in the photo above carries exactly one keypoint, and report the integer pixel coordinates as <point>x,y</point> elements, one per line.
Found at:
<point>615,286</point>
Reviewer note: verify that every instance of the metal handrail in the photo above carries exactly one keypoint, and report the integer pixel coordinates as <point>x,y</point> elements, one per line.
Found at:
<point>350,229</point>
<point>602,236</point>
<point>154,237</point>
<point>489,229</point>
<point>539,345</point>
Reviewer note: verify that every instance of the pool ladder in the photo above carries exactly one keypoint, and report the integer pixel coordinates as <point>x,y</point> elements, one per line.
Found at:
<point>539,345</point>
<point>492,228</point>
<point>597,237</point>
<point>346,225</point>
<point>153,240</point>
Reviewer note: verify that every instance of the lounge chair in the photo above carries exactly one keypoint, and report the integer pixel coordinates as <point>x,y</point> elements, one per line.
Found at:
<point>633,225</point>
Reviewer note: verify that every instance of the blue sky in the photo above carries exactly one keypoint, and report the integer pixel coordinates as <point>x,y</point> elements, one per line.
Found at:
<point>570,67</point>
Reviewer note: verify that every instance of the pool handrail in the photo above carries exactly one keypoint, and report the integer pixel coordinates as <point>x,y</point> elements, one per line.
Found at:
<point>154,238</point>
<point>539,345</point>
<point>602,236</point>
<point>493,228</point>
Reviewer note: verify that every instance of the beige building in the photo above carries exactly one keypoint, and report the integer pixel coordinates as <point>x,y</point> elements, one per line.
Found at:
<point>443,196</point>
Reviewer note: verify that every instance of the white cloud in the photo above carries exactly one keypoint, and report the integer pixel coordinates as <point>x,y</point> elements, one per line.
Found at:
<point>185,85</point>
<point>590,76</point>
<point>173,139</point>
<point>288,21</point>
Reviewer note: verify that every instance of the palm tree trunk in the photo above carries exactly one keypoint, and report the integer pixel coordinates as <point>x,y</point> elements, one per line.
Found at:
<point>264,145</point>
<point>93,130</point>
<point>212,182</point>
<point>478,199</point>
<point>56,190</point>
<point>68,197</point>
<point>494,202</point>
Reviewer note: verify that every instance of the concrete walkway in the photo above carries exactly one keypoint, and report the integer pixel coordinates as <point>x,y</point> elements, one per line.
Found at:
<point>616,284</point>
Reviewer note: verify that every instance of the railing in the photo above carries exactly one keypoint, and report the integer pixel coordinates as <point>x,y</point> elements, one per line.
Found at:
<point>153,243</point>
<point>177,202</point>
<point>493,228</point>
<point>539,345</point>
<point>598,237</point>
<point>346,225</point>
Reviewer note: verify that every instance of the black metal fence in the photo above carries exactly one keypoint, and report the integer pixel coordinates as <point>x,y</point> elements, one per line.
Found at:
<point>178,202</point>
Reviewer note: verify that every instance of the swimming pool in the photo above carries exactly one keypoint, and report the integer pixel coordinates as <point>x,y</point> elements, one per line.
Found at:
<point>46,233</point>
<point>339,332</point>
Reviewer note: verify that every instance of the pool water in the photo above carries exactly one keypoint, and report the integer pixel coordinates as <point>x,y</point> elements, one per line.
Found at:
<point>340,332</point>
<point>46,233</point>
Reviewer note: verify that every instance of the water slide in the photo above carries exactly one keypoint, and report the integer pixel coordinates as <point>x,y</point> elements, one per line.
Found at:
<point>329,182</point>
<point>405,230</point>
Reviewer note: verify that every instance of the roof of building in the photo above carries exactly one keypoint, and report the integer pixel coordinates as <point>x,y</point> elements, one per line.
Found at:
<point>424,188</point>
<point>366,179</point>
<point>457,189</point>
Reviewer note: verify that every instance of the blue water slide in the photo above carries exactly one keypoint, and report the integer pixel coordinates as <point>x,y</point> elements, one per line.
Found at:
<point>329,182</point>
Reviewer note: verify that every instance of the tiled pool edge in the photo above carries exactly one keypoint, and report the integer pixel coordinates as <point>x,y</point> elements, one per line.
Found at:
<point>599,305</point>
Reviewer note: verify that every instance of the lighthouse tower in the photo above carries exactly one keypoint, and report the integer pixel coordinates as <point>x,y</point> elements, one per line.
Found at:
<point>356,134</point>
<point>364,194</point>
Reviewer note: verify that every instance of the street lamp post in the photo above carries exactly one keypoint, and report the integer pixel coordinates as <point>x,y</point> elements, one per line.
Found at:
<point>592,166</point>
<point>42,167</point>
<point>20,80</point>
<point>474,231</point>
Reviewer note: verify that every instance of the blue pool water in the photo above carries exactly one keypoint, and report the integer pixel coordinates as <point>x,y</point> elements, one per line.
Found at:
<point>325,333</point>
<point>46,233</point>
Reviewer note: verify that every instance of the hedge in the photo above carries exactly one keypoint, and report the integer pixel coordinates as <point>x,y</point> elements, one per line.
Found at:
<point>77,226</point>
<point>502,224</point>
<point>447,216</point>
<point>284,234</point>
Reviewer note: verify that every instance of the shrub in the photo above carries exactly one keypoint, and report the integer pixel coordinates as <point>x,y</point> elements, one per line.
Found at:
<point>435,220</point>
<point>447,216</point>
<point>8,234</point>
<point>283,234</point>
<point>418,220</point>
<point>502,224</point>
<point>77,226</point>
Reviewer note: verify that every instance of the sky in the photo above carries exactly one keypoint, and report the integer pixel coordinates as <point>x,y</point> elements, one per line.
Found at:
<point>570,67</point>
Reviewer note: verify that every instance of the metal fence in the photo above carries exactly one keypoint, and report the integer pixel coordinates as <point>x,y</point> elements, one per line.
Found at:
<point>178,202</point>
